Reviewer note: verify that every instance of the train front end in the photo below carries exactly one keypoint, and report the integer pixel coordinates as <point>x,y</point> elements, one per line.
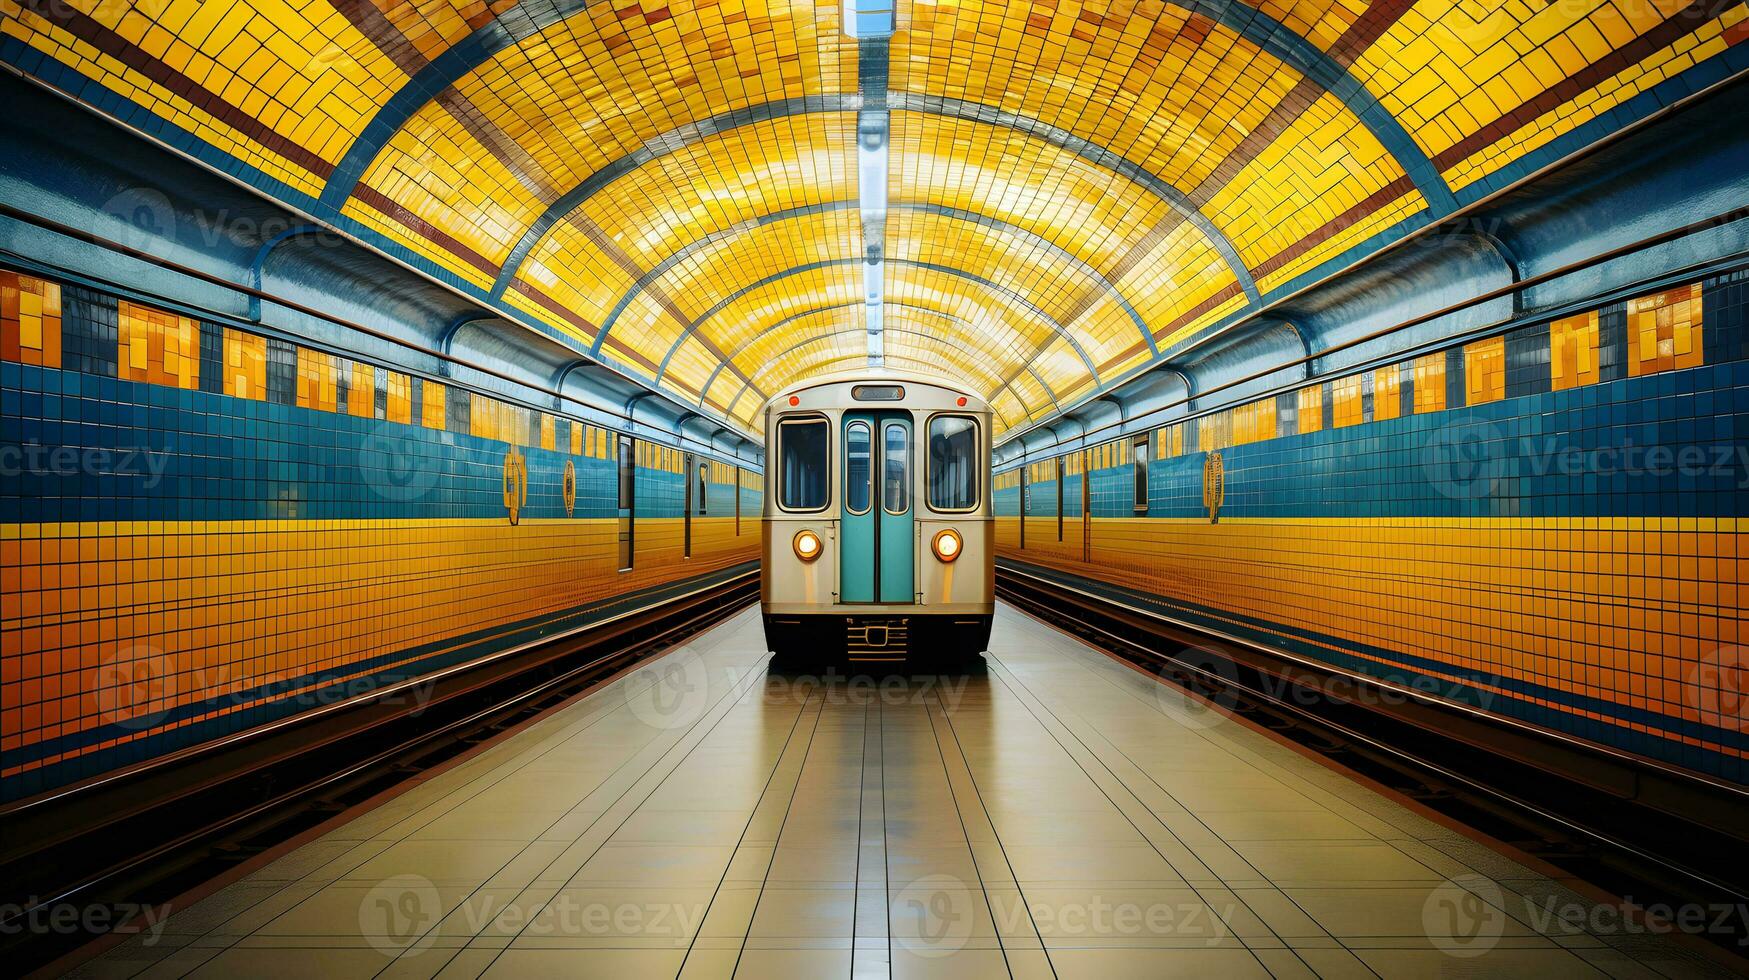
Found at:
<point>879,543</point>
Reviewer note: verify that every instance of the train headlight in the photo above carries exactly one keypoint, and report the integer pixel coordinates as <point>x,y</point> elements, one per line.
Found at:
<point>807,545</point>
<point>947,545</point>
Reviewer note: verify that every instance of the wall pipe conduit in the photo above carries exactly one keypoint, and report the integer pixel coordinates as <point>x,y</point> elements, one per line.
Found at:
<point>257,296</point>
<point>1510,289</point>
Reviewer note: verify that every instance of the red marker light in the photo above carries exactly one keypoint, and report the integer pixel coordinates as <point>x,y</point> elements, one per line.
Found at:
<point>961,402</point>
<point>795,400</point>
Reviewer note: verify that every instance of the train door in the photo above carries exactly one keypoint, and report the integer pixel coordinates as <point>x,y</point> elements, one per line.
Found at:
<point>876,560</point>
<point>686,467</point>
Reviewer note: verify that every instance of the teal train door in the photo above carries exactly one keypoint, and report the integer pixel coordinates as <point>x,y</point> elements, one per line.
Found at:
<point>876,559</point>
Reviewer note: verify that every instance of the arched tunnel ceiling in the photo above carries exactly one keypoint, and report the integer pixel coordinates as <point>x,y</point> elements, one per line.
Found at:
<point>1074,189</point>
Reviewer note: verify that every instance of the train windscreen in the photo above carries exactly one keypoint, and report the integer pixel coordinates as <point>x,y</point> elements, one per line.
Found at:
<point>803,476</point>
<point>953,463</point>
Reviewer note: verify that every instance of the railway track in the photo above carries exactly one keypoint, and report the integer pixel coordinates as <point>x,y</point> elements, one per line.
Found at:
<point>1653,836</point>
<point>112,848</point>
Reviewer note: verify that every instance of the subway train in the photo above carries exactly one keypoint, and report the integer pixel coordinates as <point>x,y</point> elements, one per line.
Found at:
<point>877,524</point>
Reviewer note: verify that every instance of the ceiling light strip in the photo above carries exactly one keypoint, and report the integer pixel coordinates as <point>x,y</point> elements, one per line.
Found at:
<point>871,23</point>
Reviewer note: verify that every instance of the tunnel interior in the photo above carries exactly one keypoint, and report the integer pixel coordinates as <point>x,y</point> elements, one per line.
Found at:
<point>1344,577</point>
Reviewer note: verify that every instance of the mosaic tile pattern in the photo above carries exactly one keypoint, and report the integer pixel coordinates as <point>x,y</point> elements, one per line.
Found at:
<point>203,530</point>
<point>1550,523</point>
<point>1140,172</point>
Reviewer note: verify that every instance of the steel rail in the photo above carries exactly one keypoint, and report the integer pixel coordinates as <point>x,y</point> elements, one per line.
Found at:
<point>1573,818</point>
<point>277,802</point>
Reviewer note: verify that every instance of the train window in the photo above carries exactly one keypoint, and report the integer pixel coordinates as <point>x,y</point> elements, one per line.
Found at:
<point>896,468</point>
<point>1141,457</point>
<point>858,477</point>
<point>803,450</point>
<point>953,463</point>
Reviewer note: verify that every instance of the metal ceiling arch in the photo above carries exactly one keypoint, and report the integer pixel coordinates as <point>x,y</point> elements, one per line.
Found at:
<point>806,210</point>
<point>850,304</point>
<point>957,109</point>
<point>528,19</point>
<point>899,332</point>
<point>1007,294</point>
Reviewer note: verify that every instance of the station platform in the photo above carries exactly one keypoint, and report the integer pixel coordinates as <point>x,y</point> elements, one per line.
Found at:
<point>1061,816</point>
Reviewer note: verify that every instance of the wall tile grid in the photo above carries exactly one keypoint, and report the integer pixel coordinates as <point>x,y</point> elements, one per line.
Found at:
<point>1547,523</point>
<point>202,529</point>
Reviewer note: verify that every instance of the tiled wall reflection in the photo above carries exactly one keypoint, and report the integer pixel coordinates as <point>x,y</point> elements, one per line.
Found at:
<point>1548,523</point>
<point>202,529</point>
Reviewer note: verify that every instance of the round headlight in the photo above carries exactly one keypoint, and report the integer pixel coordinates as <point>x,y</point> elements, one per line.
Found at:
<point>947,545</point>
<point>807,545</point>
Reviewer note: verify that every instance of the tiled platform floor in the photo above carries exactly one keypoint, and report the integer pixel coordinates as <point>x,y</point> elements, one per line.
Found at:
<point>1063,816</point>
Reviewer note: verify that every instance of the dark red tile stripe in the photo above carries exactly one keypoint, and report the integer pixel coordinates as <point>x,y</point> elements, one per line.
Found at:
<point>368,195</point>
<point>1360,35</point>
<point>382,32</point>
<point>1215,299</point>
<point>1379,17</point>
<point>611,249</point>
<point>86,29</point>
<point>571,316</point>
<point>1681,24</point>
<point>565,313</point>
<point>1368,207</point>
